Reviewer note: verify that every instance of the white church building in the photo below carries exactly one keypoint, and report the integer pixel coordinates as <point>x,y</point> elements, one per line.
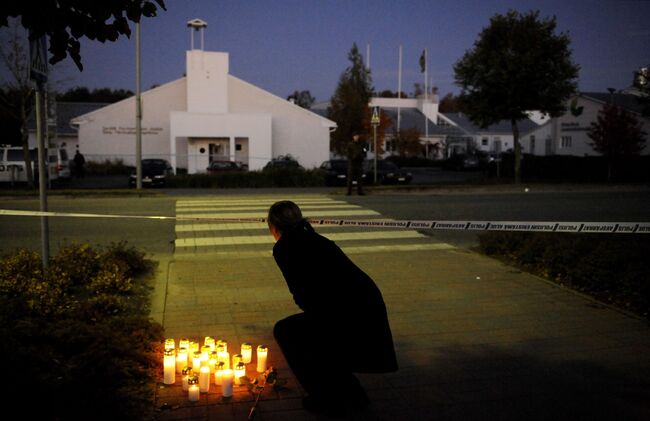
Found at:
<point>207,115</point>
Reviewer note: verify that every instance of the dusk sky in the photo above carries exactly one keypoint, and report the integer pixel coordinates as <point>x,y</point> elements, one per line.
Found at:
<point>288,45</point>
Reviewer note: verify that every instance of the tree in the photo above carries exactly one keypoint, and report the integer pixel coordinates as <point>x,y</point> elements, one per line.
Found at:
<point>408,142</point>
<point>517,64</point>
<point>450,104</point>
<point>67,21</point>
<point>387,93</point>
<point>83,94</point>
<point>17,93</point>
<point>616,134</point>
<point>349,104</point>
<point>302,99</point>
<point>642,83</point>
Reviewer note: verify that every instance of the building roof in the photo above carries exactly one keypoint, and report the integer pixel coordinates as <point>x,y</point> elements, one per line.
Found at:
<point>628,101</point>
<point>503,126</point>
<point>64,112</point>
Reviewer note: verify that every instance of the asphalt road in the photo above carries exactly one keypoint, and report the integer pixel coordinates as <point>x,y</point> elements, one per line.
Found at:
<point>157,237</point>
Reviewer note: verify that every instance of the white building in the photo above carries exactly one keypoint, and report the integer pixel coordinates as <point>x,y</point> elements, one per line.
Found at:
<point>567,134</point>
<point>206,115</point>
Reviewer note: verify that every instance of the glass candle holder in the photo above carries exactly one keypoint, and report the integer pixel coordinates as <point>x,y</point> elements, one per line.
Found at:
<point>209,341</point>
<point>196,361</point>
<point>169,367</point>
<point>240,371</point>
<point>181,359</point>
<point>262,354</point>
<point>186,373</point>
<point>184,343</point>
<point>193,388</point>
<point>246,352</point>
<point>170,343</point>
<point>222,342</point>
<point>224,357</point>
<point>236,359</point>
<point>218,373</point>
<point>212,361</point>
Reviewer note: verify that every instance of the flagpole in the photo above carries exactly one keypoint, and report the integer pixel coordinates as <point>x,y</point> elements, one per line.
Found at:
<point>399,89</point>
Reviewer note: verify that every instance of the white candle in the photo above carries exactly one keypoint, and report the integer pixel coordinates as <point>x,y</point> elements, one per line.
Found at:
<point>223,343</point>
<point>170,343</point>
<point>218,374</point>
<point>212,361</point>
<point>262,353</point>
<point>184,343</point>
<point>193,390</point>
<point>224,357</point>
<point>246,352</point>
<point>196,361</point>
<point>240,371</point>
<point>169,366</point>
<point>209,341</point>
<point>204,379</point>
<point>187,372</point>
<point>226,386</point>
<point>236,359</point>
<point>181,359</point>
<point>205,354</point>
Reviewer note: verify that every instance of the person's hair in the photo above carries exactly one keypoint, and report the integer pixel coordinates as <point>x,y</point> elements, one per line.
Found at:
<point>286,216</point>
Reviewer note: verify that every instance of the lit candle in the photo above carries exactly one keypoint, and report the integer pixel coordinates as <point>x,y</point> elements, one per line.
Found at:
<point>181,359</point>
<point>262,353</point>
<point>204,379</point>
<point>169,344</point>
<point>218,373</point>
<point>224,356</point>
<point>209,341</point>
<point>212,361</point>
<point>236,359</point>
<point>184,343</point>
<point>193,389</point>
<point>196,361</point>
<point>187,372</point>
<point>246,352</point>
<point>226,383</point>
<point>222,342</point>
<point>240,371</point>
<point>169,365</point>
<point>205,354</point>
<point>194,347</point>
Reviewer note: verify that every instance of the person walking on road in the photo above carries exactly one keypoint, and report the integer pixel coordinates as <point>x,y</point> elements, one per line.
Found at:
<point>340,304</point>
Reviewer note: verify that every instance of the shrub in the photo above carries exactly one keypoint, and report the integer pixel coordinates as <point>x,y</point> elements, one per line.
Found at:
<point>611,267</point>
<point>79,333</point>
<point>277,177</point>
<point>108,167</point>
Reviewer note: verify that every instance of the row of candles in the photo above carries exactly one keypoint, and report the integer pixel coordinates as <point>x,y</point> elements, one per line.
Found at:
<point>197,364</point>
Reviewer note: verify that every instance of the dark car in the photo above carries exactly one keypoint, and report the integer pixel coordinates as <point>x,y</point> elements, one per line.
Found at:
<point>283,162</point>
<point>154,173</point>
<point>463,162</point>
<point>335,172</point>
<point>220,167</point>
<point>387,172</point>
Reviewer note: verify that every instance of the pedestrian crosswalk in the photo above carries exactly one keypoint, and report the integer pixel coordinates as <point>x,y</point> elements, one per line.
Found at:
<point>198,229</point>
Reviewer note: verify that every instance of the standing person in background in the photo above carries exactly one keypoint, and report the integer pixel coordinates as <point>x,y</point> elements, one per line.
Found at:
<point>79,162</point>
<point>356,153</point>
<point>343,328</point>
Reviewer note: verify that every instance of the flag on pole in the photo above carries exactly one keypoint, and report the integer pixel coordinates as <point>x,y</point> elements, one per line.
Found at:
<point>423,61</point>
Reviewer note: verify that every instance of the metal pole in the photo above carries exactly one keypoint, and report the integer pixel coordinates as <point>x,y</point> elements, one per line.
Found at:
<point>374,129</point>
<point>42,174</point>
<point>138,111</point>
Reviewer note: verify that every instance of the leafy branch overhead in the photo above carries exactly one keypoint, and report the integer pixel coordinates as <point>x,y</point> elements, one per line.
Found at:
<point>67,21</point>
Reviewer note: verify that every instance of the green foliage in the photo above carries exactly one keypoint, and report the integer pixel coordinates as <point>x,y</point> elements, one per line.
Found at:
<point>80,333</point>
<point>83,94</point>
<point>611,267</point>
<point>277,177</point>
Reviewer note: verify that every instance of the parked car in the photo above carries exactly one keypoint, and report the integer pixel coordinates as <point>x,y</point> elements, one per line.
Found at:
<point>336,172</point>
<point>283,162</point>
<point>220,167</point>
<point>387,172</point>
<point>461,162</point>
<point>12,164</point>
<point>154,173</point>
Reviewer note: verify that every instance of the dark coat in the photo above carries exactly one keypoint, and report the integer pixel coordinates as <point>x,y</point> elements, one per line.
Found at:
<point>344,303</point>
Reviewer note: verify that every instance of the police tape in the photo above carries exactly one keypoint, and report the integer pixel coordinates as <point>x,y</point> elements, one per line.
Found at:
<point>529,226</point>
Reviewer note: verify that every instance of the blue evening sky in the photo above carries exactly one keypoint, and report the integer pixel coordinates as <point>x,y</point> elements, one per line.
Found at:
<point>287,45</point>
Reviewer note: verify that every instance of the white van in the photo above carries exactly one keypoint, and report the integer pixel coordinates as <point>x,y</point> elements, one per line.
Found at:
<point>12,164</point>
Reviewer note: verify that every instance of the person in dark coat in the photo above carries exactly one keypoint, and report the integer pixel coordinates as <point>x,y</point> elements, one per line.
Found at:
<point>356,153</point>
<point>343,327</point>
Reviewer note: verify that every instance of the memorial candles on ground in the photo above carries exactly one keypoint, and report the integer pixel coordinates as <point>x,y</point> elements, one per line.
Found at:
<point>212,361</point>
<point>262,352</point>
<point>187,372</point>
<point>193,389</point>
<point>223,355</point>
<point>184,343</point>
<point>205,354</point>
<point>236,359</point>
<point>226,383</point>
<point>223,343</point>
<point>181,359</point>
<point>204,379</point>
<point>169,367</point>
<point>209,341</point>
<point>194,347</point>
<point>240,371</point>
<point>246,352</point>
<point>196,361</point>
<point>218,373</point>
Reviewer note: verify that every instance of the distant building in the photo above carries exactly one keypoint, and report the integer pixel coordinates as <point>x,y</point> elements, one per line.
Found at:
<point>205,116</point>
<point>567,134</point>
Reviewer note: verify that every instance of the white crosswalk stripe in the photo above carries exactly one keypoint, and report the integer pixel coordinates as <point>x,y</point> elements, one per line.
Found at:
<point>253,238</point>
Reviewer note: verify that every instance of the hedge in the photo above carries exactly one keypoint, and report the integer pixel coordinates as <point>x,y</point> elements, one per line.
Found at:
<point>251,179</point>
<point>613,268</point>
<point>77,340</point>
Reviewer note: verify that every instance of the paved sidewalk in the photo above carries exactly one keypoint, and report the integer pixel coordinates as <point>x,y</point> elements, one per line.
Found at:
<point>475,339</point>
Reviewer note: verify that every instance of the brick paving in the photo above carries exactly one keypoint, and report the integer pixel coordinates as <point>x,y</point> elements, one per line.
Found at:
<point>475,339</point>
